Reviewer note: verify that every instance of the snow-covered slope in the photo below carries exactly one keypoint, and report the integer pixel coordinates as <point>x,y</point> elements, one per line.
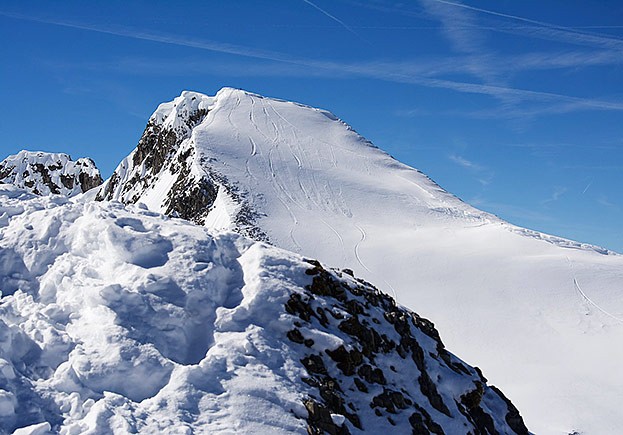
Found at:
<point>542,315</point>
<point>49,173</point>
<point>120,320</point>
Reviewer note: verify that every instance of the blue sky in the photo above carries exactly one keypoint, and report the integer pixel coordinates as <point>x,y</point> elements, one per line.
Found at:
<point>514,106</point>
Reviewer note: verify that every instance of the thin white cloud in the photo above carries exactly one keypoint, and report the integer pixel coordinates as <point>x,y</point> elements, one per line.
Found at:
<point>462,161</point>
<point>555,196</point>
<point>371,70</point>
<point>568,34</point>
<point>465,39</point>
<point>603,200</point>
<point>333,17</point>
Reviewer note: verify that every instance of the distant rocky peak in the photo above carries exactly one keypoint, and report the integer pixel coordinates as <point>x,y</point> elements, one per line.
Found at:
<point>44,173</point>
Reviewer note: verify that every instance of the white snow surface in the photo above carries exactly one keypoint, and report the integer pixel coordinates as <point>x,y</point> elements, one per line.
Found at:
<point>29,170</point>
<point>541,315</point>
<point>116,319</point>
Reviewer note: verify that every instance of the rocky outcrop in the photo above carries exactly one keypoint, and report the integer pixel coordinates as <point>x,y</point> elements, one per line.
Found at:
<point>390,368</point>
<point>44,173</point>
<point>166,160</point>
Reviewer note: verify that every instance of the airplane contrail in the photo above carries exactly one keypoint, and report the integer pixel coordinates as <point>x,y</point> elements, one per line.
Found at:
<point>333,17</point>
<point>588,37</point>
<point>378,71</point>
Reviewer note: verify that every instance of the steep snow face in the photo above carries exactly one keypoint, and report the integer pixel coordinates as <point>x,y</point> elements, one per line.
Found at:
<point>49,173</point>
<point>530,308</point>
<point>120,320</point>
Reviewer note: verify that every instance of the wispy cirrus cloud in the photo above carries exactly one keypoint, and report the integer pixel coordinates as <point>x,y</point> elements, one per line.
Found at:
<point>545,29</point>
<point>375,70</point>
<point>462,161</point>
<point>603,200</point>
<point>556,194</point>
<point>458,28</point>
<point>481,173</point>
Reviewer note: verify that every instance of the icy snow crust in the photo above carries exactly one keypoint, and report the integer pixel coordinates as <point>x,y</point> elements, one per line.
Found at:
<point>45,173</point>
<point>116,319</point>
<point>540,314</point>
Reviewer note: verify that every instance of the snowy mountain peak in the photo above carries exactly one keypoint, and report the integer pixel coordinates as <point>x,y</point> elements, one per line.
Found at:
<point>520,303</point>
<point>44,173</point>
<point>217,160</point>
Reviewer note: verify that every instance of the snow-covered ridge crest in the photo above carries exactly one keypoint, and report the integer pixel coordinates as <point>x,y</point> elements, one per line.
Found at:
<point>119,320</point>
<point>44,173</point>
<point>180,114</point>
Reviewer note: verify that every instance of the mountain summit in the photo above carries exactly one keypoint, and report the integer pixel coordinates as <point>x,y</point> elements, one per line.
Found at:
<point>531,309</point>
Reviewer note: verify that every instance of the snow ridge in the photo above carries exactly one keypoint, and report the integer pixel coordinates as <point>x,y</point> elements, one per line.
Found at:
<point>116,319</point>
<point>45,173</point>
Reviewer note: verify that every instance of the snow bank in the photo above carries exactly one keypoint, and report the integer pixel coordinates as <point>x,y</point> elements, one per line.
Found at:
<point>115,319</point>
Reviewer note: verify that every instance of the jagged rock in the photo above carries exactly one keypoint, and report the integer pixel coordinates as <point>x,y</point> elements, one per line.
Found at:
<point>167,160</point>
<point>361,373</point>
<point>320,421</point>
<point>49,173</point>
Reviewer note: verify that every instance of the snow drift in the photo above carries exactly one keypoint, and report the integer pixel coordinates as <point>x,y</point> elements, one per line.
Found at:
<point>116,319</point>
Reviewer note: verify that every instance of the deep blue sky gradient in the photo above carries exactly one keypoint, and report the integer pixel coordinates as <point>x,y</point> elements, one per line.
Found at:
<point>514,106</point>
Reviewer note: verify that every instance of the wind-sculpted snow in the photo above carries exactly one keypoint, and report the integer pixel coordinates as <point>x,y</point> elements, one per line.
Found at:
<point>530,308</point>
<point>116,319</point>
<point>49,173</point>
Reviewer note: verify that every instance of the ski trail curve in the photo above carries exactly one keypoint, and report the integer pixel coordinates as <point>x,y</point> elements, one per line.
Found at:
<point>576,284</point>
<point>360,261</point>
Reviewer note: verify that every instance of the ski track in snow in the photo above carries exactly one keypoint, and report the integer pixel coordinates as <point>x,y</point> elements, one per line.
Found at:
<point>576,284</point>
<point>332,200</point>
<point>279,190</point>
<point>360,261</point>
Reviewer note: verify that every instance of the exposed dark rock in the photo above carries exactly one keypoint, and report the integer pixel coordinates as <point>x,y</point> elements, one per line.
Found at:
<point>190,202</point>
<point>109,190</point>
<point>68,181</point>
<point>43,173</point>
<point>369,338</point>
<point>296,305</point>
<point>372,375</point>
<point>296,336</point>
<point>319,420</point>
<point>360,385</point>
<point>391,400</point>
<point>360,308</point>
<point>347,361</point>
<point>88,182</point>
<point>474,397</point>
<point>421,420</point>
<point>513,418</point>
<point>428,388</point>
<point>45,176</point>
<point>314,364</point>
